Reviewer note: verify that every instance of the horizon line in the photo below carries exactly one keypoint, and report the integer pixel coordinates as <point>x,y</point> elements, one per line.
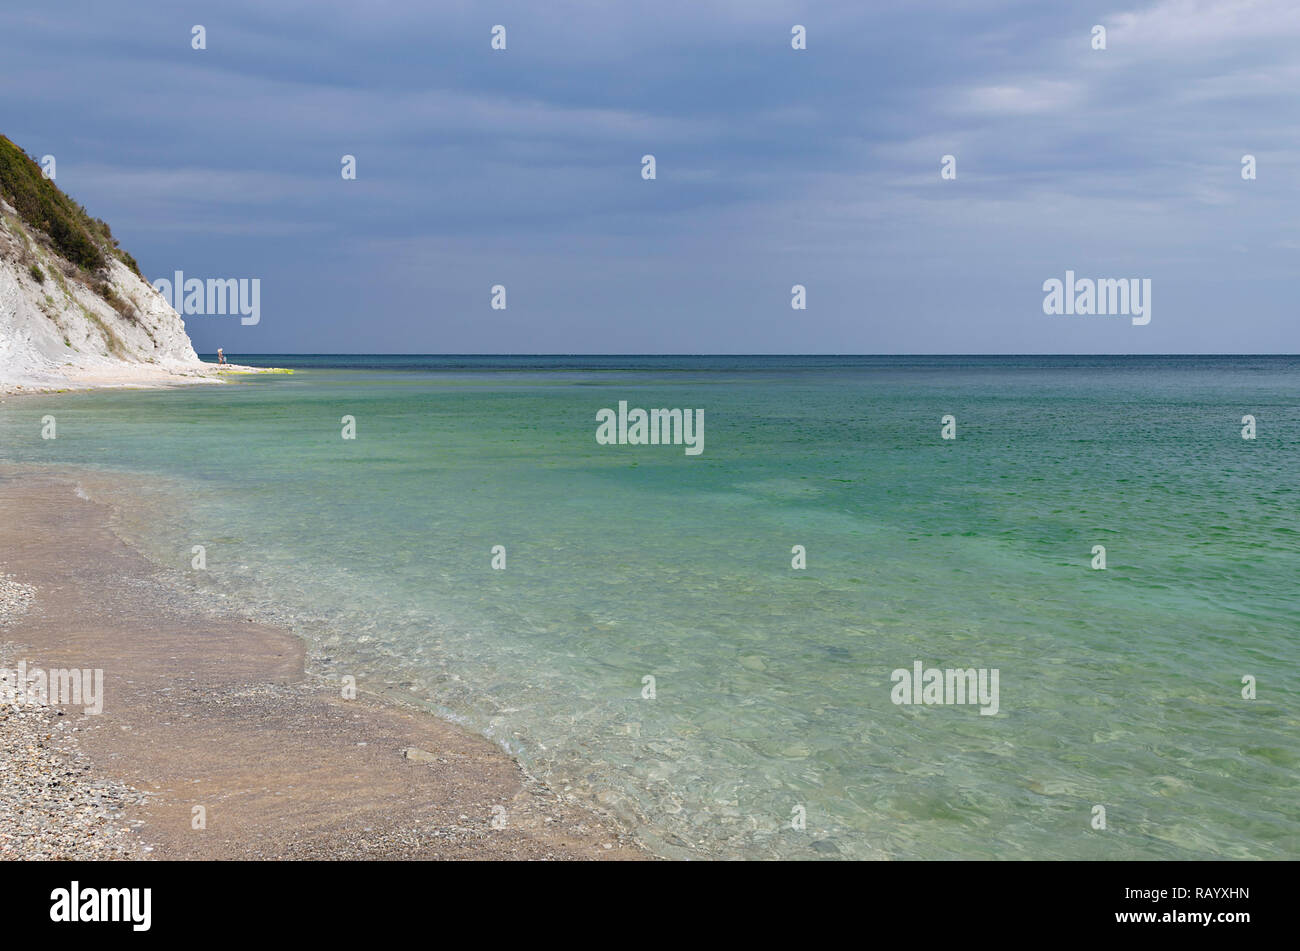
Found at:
<point>420,353</point>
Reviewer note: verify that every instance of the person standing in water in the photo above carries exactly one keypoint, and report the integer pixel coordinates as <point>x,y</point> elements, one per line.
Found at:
<point>221,357</point>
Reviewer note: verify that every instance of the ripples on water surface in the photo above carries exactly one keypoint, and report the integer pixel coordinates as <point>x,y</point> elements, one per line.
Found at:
<point>1117,687</point>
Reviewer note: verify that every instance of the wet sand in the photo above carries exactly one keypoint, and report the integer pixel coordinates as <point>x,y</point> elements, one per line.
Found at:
<point>219,714</point>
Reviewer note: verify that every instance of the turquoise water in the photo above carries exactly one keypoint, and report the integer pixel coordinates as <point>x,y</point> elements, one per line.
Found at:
<point>1119,688</point>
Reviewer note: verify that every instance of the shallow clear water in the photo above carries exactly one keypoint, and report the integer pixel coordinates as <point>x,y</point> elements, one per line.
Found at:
<point>1119,687</point>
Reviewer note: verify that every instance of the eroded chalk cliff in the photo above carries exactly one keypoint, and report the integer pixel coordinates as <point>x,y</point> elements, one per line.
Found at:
<point>74,308</point>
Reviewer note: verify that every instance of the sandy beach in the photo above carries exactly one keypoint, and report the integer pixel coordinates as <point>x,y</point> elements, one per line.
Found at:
<point>213,742</point>
<point>125,376</point>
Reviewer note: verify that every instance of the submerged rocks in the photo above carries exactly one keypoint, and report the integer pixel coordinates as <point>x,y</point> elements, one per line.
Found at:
<point>415,754</point>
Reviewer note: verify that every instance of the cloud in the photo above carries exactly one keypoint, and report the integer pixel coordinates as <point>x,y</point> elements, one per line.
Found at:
<point>772,162</point>
<point>1179,27</point>
<point>1028,97</point>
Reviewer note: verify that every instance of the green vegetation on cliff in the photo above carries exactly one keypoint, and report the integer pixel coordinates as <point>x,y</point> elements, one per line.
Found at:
<point>81,239</point>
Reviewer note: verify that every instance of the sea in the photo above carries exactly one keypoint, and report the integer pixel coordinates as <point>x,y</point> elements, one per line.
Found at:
<point>721,648</point>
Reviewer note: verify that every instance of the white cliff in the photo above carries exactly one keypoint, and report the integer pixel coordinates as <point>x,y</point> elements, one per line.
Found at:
<point>72,325</point>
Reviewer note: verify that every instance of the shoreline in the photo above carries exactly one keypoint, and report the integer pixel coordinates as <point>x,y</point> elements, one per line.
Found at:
<point>220,713</point>
<point>128,376</point>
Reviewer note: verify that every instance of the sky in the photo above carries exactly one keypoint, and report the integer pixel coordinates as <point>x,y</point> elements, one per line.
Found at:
<point>775,166</point>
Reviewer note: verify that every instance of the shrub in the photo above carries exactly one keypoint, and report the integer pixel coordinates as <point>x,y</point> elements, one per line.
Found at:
<point>123,307</point>
<point>37,273</point>
<point>81,239</point>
